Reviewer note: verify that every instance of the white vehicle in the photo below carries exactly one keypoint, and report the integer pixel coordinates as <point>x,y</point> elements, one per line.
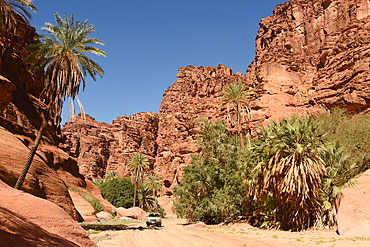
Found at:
<point>154,220</point>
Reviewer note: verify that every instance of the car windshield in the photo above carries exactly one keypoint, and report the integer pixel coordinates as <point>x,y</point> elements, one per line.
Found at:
<point>154,215</point>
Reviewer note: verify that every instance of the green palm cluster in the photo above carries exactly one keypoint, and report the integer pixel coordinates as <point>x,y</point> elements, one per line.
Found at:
<point>292,171</point>
<point>138,164</point>
<point>145,189</point>
<point>212,188</point>
<point>235,97</point>
<point>148,193</point>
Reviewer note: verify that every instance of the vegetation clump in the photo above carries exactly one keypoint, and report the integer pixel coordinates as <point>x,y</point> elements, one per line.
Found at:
<point>212,189</point>
<point>118,191</point>
<point>289,177</point>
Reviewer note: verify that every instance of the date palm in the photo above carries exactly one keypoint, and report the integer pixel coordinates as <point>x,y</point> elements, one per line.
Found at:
<point>153,184</point>
<point>293,171</point>
<point>63,56</point>
<point>111,175</point>
<point>138,164</point>
<point>146,200</point>
<point>235,97</point>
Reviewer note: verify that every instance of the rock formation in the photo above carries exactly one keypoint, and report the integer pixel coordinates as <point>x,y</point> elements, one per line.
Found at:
<point>313,54</point>
<point>24,224</point>
<point>194,95</point>
<point>354,210</point>
<point>101,147</point>
<point>167,138</point>
<point>6,89</point>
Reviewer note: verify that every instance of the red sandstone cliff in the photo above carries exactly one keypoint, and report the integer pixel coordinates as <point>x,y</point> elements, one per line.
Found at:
<point>313,54</point>
<point>101,147</point>
<point>310,56</point>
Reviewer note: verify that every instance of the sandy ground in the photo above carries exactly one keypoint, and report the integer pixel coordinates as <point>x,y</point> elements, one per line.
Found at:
<point>174,233</point>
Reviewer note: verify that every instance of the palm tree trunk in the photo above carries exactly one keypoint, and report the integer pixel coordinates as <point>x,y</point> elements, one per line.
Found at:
<point>135,191</point>
<point>239,125</point>
<point>31,154</point>
<point>155,199</point>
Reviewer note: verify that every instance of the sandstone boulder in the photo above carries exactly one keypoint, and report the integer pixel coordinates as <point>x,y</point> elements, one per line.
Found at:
<point>133,213</point>
<point>22,223</point>
<point>197,225</point>
<point>85,209</point>
<point>354,210</point>
<point>104,215</point>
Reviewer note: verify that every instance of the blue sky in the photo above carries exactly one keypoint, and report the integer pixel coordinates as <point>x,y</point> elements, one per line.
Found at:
<point>146,42</point>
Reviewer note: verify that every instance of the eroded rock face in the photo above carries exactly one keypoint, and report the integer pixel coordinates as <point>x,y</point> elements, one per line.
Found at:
<point>6,89</point>
<point>41,180</point>
<point>313,54</point>
<point>194,95</point>
<point>101,147</point>
<point>24,224</point>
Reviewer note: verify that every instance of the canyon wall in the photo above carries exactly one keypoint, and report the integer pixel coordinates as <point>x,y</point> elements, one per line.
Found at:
<point>101,147</point>
<point>313,54</point>
<point>310,56</point>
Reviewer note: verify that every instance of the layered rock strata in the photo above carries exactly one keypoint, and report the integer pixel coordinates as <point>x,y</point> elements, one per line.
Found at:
<point>313,54</point>
<point>101,147</point>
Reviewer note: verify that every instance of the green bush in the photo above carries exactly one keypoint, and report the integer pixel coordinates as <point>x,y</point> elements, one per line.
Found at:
<point>350,131</point>
<point>118,191</point>
<point>212,189</point>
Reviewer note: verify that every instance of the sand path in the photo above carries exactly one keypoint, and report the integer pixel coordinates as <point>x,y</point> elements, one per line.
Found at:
<point>175,234</point>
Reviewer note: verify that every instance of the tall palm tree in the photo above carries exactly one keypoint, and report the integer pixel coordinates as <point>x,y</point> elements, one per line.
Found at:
<point>235,97</point>
<point>293,171</point>
<point>138,165</point>
<point>153,184</point>
<point>10,12</point>
<point>62,55</point>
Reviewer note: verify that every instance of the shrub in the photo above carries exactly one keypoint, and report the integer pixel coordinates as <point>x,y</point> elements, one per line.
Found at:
<point>212,188</point>
<point>118,191</point>
<point>292,171</point>
<point>350,131</point>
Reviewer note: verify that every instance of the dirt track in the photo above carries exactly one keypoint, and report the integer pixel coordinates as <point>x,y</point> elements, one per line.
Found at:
<point>175,234</point>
